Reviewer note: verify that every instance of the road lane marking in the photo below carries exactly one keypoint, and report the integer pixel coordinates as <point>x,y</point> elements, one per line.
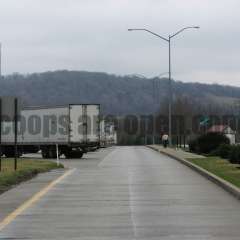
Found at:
<point>7,220</point>
<point>131,206</point>
<point>106,158</point>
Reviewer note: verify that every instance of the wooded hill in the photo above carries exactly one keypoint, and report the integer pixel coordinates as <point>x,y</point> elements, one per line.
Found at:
<point>117,94</point>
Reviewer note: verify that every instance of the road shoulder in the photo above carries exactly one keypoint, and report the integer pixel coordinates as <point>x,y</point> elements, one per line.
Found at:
<point>235,191</point>
<point>15,197</point>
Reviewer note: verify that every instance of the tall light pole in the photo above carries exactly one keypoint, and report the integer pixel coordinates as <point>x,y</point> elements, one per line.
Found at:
<point>157,101</point>
<point>156,88</point>
<point>0,61</point>
<point>169,65</point>
<point>0,109</point>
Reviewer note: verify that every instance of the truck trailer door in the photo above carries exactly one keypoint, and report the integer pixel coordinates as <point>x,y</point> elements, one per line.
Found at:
<point>78,124</point>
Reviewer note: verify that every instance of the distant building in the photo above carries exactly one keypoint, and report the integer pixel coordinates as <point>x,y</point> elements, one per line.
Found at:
<point>226,130</point>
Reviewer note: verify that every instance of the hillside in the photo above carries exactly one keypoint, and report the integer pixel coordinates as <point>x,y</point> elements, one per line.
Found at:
<point>116,94</point>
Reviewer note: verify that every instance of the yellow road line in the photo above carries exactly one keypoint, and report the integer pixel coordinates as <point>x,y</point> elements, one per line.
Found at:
<point>32,200</point>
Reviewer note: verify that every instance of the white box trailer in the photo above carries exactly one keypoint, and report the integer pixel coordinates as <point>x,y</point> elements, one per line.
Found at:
<point>73,128</point>
<point>102,134</point>
<point>111,134</point>
<point>108,134</point>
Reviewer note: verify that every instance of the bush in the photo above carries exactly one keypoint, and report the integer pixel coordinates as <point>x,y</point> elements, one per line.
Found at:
<point>234,155</point>
<point>214,153</point>
<point>208,143</point>
<point>224,150</point>
<point>193,145</point>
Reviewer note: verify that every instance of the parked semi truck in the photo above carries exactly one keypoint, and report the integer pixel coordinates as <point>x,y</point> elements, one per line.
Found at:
<point>108,134</point>
<point>73,129</point>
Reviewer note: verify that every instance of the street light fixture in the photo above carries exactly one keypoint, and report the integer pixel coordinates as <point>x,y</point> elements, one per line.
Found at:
<point>169,72</point>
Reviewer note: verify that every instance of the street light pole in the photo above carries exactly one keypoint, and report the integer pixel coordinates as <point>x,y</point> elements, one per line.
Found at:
<point>0,109</point>
<point>157,102</point>
<point>169,72</point>
<point>170,93</point>
<point>0,61</point>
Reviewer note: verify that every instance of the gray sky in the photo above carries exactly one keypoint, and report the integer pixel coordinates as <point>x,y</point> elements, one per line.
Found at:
<point>42,35</point>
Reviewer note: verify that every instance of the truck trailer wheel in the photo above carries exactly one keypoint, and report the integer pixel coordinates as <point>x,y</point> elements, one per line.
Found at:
<point>44,154</point>
<point>73,154</point>
<point>79,155</point>
<point>9,152</point>
<point>49,152</point>
<point>52,152</point>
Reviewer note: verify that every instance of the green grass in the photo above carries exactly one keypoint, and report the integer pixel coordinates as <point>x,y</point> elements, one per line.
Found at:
<point>220,167</point>
<point>27,169</point>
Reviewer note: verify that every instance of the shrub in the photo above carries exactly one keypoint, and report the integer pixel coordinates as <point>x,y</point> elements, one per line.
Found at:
<point>193,145</point>
<point>234,155</point>
<point>214,153</point>
<point>208,142</point>
<point>224,150</point>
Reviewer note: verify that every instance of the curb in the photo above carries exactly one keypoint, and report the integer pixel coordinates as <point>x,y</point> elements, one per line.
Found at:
<point>230,188</point>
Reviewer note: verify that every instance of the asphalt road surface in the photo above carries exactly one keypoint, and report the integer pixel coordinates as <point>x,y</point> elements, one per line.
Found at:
<point>130,193</point>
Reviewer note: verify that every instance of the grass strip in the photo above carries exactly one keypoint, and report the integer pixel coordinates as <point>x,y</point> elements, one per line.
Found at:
<point>27,169</point>
<point>220,167</point>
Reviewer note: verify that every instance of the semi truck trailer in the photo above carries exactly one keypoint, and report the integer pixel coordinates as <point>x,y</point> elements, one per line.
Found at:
<point>72,129</point>
<point>108,134</point>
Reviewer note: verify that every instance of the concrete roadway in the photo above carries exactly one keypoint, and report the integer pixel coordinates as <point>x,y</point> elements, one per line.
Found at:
<point>130,193</point>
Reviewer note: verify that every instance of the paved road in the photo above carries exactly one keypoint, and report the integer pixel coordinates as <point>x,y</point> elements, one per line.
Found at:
<point>130,193</point>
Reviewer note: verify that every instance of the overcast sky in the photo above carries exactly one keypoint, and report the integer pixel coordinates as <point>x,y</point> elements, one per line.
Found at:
<point>42,35</point>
